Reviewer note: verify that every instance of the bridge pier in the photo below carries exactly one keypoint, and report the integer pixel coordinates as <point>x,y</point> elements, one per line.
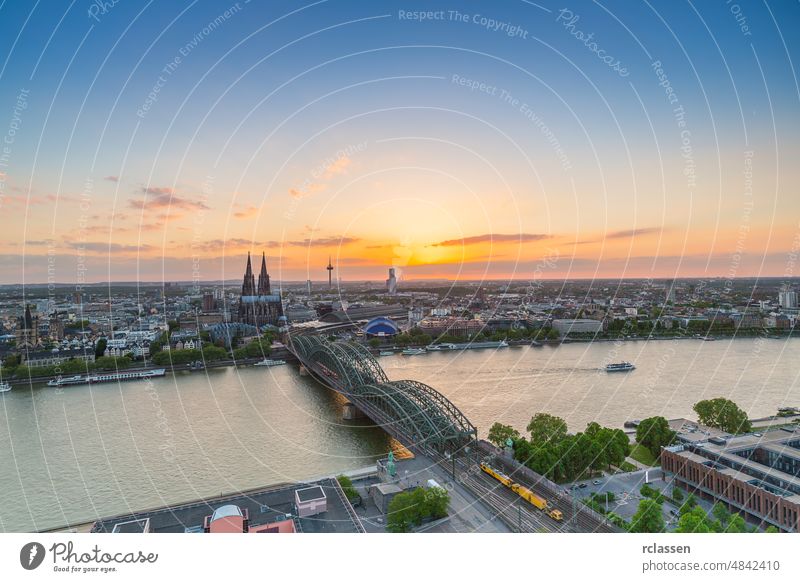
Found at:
<point>351,412</point>
<point>303,371</point>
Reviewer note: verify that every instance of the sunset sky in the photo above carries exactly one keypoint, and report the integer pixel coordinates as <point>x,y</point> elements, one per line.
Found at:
<point>163,142</point>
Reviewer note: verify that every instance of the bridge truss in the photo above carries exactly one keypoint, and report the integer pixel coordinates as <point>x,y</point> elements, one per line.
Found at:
<point>411,411</point>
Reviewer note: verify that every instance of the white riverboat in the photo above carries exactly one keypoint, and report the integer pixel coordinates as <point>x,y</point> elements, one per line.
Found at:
<point>413,351</point>
<point>109,377</point>
<point>269,363</point>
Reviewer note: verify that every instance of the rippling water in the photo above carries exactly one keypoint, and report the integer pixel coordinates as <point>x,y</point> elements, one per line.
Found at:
<point>84,452</point>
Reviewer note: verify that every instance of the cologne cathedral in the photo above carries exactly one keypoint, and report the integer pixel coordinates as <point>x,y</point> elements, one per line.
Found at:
<point>258,306</point>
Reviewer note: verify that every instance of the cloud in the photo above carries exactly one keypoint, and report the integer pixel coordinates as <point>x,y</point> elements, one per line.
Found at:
<point>103,247</point>
<point>112,178</point>
<point>337,167</point>
<point>158,197</point>
<point>634,232</point>
<point>158,191</point>
<point>494,238</point>
<point>330,241</point>
<point>246,212</point>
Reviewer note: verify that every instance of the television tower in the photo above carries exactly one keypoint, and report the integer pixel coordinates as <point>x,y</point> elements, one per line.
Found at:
<point>330,272</point>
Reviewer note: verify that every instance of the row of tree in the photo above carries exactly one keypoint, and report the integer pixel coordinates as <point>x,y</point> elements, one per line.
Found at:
<point>649,517</point>
<point>552,451</point>
<point>73,366</point>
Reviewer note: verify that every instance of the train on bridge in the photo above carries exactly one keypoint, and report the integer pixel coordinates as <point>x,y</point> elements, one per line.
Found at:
<point>523,492</point>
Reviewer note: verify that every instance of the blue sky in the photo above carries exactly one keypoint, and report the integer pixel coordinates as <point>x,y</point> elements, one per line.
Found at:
<point>256,103</point>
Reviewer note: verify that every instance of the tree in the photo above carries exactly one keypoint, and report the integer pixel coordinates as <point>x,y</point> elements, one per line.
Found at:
<point>695,521</point>
<point>545,428</point>
<point>436,502</point>
<point>736,524</point>
<point>649,517</point>
<point>722,515</point>
<point>654,433</point>
<point>374,342</point>
<point>688,505</point>
<point>100,347</point>
<point>499,433</point>
<point>677,494</point>
<point>347,487</point>
<point>402,513</point>
<point>723,414</point>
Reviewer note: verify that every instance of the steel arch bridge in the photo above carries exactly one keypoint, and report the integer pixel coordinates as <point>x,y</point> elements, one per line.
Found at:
<point>411,411</point>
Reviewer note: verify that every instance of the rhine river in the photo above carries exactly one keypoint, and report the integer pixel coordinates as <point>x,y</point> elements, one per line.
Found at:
<point>71,455</point>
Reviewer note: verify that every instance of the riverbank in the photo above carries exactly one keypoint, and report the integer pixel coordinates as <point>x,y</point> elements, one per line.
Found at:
<point>276,354</point>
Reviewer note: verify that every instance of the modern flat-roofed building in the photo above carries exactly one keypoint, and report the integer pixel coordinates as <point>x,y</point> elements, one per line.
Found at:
<point>755,474</point>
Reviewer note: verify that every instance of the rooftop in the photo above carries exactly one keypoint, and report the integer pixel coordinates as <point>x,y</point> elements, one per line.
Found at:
<point>264,506</point>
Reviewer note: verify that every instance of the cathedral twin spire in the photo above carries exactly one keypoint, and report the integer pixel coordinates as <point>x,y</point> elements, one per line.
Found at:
<point>249,284</point>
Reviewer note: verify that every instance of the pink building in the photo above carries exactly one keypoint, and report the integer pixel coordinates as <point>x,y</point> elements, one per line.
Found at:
<point>233,519</point>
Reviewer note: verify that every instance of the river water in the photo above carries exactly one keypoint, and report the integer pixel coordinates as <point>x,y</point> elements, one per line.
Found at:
<point>71,455</point>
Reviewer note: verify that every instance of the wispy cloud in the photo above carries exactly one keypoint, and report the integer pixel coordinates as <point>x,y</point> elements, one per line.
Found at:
<point>337,167</point>
<point>246,212</point>
<point>493,238</point>
<point>104,247</point>
<point>162,197</point>
<point>329,241</point>
<point>112,178</point>
<point>634,232</point>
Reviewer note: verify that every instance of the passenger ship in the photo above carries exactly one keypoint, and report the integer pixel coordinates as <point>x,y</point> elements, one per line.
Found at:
<point>270,363</point>
<point>111,377</point>
<point>621,367</point>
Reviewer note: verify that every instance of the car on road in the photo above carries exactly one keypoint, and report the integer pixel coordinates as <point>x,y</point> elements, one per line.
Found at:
<point>582,485</point>
<point>596,482</point>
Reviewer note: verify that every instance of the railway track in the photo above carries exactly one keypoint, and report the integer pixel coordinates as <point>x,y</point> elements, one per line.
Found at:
<point>506,505</point>
<point>511,509</point>
<point>519,515</point>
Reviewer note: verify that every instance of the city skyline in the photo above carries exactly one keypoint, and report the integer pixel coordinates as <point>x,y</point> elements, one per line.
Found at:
<point>145,152</point>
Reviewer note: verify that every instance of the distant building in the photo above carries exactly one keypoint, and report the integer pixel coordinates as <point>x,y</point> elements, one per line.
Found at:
<point>208,302</point>
<point>391,282</point>
<point>27,334</point>
<point>308,286</point>
<point>300,313</point>
<point>381,327</point>
<point>44,358</point>
<point>226,333</point>
<point>566,326</point>
<point>354,314</point>
<point>787,299</point>
<point>258,306</point>
<point>56,331</point>
<point>456,326</point>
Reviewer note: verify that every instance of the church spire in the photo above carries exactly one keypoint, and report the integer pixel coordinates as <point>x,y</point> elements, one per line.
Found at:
<point>249,283</point>
<point>263,277</point>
